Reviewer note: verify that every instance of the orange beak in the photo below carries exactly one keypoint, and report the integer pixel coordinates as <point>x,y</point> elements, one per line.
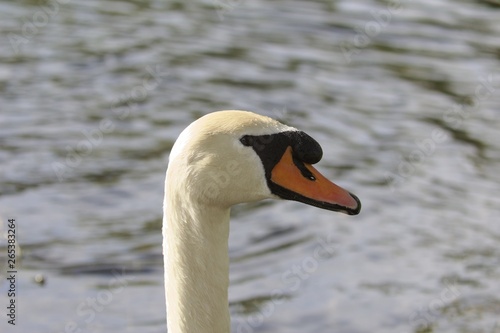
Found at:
<point>305,184</point>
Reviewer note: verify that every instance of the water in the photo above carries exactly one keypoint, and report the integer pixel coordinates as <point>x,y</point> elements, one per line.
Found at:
<point>403,97</point>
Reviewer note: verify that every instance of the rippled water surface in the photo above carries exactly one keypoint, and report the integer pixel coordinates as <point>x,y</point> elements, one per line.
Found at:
<point>403,96</point>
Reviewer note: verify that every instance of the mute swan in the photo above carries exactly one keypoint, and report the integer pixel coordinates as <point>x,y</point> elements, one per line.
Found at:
<point>221,159</point>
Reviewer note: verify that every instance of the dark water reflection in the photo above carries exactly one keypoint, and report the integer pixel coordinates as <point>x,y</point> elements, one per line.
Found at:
<point>403,96</point>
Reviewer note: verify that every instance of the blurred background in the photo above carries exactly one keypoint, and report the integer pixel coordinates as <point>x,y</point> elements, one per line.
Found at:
<point>403,96</point>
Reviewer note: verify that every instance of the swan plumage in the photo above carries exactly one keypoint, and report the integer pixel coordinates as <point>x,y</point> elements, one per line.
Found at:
<point>222,159</point>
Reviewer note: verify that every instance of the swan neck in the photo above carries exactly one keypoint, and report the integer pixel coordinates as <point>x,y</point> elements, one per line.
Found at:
<point>195,245</point>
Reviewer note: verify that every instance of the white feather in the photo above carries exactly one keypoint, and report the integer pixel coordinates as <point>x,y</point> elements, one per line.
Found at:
<point>209,171</point>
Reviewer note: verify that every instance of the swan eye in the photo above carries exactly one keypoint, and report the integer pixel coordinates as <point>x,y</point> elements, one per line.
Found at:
<point>247,140</point>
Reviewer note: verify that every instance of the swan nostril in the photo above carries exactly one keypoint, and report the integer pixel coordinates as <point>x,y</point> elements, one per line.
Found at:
<point>303,169</point>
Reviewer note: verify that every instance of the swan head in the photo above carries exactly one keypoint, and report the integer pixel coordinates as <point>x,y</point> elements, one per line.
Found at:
<point>230,157</point>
